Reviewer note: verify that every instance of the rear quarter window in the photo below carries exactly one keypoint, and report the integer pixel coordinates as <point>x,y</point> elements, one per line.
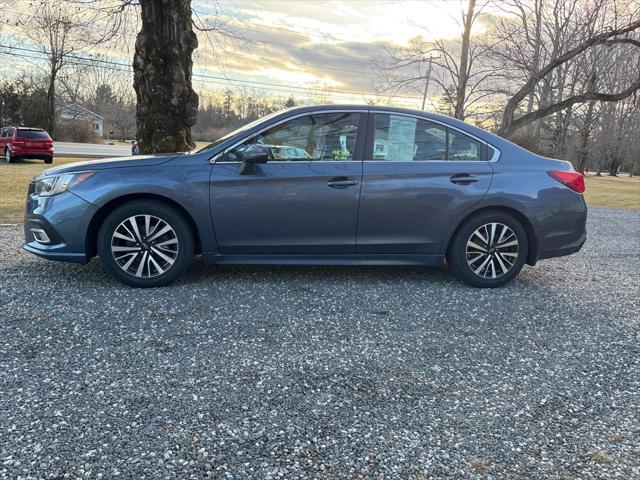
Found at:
<point>32,134</point>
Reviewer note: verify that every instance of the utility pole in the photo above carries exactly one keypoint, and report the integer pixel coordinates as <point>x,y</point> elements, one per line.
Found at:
<point>426,84</point>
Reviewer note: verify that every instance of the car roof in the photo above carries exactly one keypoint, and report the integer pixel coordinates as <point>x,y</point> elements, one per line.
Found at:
<point>35,129</point>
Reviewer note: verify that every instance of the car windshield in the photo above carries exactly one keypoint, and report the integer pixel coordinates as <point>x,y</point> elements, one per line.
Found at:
<point>32,134</point>
<point>244,128</point>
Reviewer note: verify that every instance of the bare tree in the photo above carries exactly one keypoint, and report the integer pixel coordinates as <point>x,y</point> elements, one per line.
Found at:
<point>455,67</point>
<point>566,46</point>
<point>59,32</point>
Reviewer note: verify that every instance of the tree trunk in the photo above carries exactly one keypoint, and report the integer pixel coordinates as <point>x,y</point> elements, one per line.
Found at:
<point>463,74</point>
<point>585,132</point>
<point>51,100</point>
<point>167,105</point>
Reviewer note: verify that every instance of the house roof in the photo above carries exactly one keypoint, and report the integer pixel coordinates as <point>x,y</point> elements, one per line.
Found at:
<point>77,107</point>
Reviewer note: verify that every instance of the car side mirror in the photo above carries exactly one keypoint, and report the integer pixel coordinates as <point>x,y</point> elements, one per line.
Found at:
<point>252,155</point>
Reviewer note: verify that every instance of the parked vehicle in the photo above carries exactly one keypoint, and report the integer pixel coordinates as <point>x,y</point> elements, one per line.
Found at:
<point>381,186</point>
<point>22,142</point>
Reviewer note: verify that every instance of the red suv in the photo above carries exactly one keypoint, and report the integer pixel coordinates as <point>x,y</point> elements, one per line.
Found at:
<point>23,142</point>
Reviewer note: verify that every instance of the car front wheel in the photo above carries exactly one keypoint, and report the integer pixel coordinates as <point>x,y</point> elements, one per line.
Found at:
<point>145,244</point>
<point>489,250</point>
<point>7,155</point>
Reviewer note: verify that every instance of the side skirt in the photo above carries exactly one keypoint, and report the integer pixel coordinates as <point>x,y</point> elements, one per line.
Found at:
<point>346,259</point>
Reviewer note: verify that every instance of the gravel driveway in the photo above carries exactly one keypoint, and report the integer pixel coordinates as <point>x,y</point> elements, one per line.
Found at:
<point>324,372</point>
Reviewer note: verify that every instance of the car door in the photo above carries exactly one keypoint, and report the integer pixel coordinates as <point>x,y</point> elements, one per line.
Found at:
<point>418,178</point>
<point>3,140</point>
<point>290,205</point>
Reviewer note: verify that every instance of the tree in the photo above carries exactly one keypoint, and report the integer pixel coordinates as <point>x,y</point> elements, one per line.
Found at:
<point>59,32</point>
<point>290,102</point>
<point>559,60</point>
<point>455,67</point>
<point>167,105</point>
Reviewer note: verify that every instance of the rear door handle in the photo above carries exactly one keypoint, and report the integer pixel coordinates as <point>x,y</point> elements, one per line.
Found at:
<point>341,182</point>
<point>463,179</point>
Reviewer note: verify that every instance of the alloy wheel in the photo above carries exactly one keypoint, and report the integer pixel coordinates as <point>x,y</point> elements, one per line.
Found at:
<point>492,250</point>
<point>144,246</point>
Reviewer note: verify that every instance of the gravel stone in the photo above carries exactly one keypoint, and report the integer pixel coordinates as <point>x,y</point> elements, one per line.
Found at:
<point>246,372</point>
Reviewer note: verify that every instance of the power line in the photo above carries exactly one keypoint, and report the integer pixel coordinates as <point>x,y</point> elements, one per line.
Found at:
<point>211,78</point>
<point>222,82</point>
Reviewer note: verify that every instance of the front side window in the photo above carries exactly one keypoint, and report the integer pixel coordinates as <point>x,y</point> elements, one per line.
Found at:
<point>400,138</point>
<point>320,137</point>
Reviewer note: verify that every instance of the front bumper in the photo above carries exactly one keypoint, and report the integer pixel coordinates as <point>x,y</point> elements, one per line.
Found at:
<point>65,219</point>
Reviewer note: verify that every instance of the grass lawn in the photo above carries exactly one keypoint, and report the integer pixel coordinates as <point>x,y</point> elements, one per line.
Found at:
<point>14,182</point>
<point>606,191</point>
<point>623,192</point>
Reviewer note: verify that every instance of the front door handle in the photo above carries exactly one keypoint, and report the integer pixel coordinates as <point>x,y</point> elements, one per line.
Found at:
<point>341,182</point>
<point>463,179</point>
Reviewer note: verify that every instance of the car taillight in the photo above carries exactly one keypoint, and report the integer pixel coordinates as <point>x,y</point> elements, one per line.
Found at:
<point>573,180</point>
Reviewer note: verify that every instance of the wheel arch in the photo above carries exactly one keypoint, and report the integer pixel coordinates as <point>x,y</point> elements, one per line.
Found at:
<point>102,213</point>
<point>532,254</point>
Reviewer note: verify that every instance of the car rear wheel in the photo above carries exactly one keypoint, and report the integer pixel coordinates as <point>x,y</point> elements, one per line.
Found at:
<point>7,155</point>
<point>489,250</point>
<point>145,244</point>
<point>48,160</point>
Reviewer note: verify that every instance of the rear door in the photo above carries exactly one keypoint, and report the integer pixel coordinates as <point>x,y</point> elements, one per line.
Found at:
<point>419,176</point>
<point>304,200</point>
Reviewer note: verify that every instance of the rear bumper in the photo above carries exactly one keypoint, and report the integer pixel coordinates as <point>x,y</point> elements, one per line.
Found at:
<point>566,249</point>
<point>37,156</point>
<point>64,218</point>
<point>561,230</point>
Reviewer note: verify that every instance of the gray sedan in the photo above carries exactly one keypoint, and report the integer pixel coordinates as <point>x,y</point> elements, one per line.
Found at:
<point>373,185</point>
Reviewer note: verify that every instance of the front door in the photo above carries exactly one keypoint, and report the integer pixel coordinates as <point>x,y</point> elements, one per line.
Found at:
<point>304,200</point>
<point>418,177</point>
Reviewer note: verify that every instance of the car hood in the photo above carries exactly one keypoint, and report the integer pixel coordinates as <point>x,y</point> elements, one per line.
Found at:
<point>105,163</point>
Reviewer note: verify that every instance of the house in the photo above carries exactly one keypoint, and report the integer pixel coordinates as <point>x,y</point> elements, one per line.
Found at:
<point>75,111</point>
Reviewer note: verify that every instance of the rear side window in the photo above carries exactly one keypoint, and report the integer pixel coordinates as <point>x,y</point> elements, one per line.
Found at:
<point>32,134</point>
<point>400,138</point>
<point>463,147</point>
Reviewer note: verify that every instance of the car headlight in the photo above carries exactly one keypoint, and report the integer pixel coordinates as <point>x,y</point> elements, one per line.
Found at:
<point>55,184</point>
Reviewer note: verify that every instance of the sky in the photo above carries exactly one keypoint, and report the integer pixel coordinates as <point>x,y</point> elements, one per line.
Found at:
<point>306,48</point>
<point>326,45</point>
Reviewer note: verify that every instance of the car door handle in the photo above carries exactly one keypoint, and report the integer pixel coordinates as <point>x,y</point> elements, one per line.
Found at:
<point>463,179</point>
<point>341,182</point>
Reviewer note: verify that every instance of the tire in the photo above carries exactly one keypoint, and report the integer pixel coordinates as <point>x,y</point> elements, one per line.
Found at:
<point>474,263</point>
<point>48,161</point>
<point>142,262</point>
<point>7,155</point>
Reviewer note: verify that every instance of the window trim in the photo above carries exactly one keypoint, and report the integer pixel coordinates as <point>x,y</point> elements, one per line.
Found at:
<point>369,146</point>
<point>358,151</point>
